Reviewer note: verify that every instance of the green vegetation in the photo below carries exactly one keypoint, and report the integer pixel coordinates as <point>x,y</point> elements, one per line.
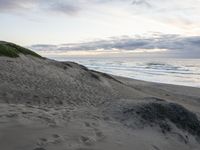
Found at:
<point>13,50</point>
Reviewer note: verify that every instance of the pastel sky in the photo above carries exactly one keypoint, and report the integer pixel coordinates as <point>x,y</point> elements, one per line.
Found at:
<point>100,27</point>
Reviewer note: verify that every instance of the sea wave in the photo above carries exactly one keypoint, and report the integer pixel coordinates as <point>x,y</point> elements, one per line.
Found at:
<point>172,71</point>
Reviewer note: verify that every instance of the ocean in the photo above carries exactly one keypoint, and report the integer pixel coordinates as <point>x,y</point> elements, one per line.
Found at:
<point>171,71</point>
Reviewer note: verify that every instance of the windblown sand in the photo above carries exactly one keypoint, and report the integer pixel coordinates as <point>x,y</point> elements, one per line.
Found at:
<point>49,105</point>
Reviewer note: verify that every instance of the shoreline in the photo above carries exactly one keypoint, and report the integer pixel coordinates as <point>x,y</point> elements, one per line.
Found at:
<point>176,72</point>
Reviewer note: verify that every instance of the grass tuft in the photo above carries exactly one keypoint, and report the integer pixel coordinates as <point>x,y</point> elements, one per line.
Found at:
<point>12,50</point>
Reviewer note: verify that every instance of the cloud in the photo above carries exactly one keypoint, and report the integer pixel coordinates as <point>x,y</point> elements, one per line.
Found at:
<point>99,19</point>
<point>43,47</point>
<point>12,5</point>
<point>65,8</point>
<point>174,44</point>
<point>172,12</point>
<point>61,6</point>
<point>141,2</point>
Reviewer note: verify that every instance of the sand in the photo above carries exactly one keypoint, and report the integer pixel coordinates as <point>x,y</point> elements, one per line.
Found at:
<point>50,105</point>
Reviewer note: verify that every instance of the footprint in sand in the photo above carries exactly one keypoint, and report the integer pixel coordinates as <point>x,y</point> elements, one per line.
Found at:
<point>42,142</point>
<point>87,140</point>
<point>155,147</point>
<point>56,139</point>
<point>55,136</point>
<point>87,124</point>
<point>99,134</point>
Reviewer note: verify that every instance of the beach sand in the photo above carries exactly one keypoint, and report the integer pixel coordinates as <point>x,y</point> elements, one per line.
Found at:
<point>50,105</point>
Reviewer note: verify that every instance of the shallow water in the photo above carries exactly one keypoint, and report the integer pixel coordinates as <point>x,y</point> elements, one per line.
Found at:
<point>172,71</point>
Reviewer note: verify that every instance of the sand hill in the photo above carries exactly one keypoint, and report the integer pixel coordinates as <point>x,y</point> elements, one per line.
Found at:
<point>50,105</point>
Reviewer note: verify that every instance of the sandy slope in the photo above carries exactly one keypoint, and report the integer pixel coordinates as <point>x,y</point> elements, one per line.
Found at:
<point>49,105</point>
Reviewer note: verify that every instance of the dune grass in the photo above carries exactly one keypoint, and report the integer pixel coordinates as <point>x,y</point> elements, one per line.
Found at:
<point>12,50</point>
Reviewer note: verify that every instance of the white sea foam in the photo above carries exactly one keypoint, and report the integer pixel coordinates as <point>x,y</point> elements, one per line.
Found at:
<point>172,71</point>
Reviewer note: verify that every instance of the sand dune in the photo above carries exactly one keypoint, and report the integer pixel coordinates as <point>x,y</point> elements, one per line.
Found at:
<point>50,105</point>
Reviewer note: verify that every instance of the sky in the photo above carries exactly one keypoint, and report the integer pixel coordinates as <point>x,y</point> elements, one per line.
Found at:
<point>166,28</point>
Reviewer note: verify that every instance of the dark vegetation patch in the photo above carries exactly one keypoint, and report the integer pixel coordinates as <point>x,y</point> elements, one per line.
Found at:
<point>156,99</point>
<point>94,76</point>
<point>76,64</point>
<point>106,76</point>
<point>92,73</point>
<point>13,50</point>
<point>160,113</point>
<point>84,68</point>
<point>70,64</point>
<point>66,64</point>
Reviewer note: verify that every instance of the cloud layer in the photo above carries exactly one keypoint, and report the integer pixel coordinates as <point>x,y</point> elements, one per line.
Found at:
<point>174,44</point>
<point>48,21</point>
<point>22,6</point>
<point>69,6</point>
